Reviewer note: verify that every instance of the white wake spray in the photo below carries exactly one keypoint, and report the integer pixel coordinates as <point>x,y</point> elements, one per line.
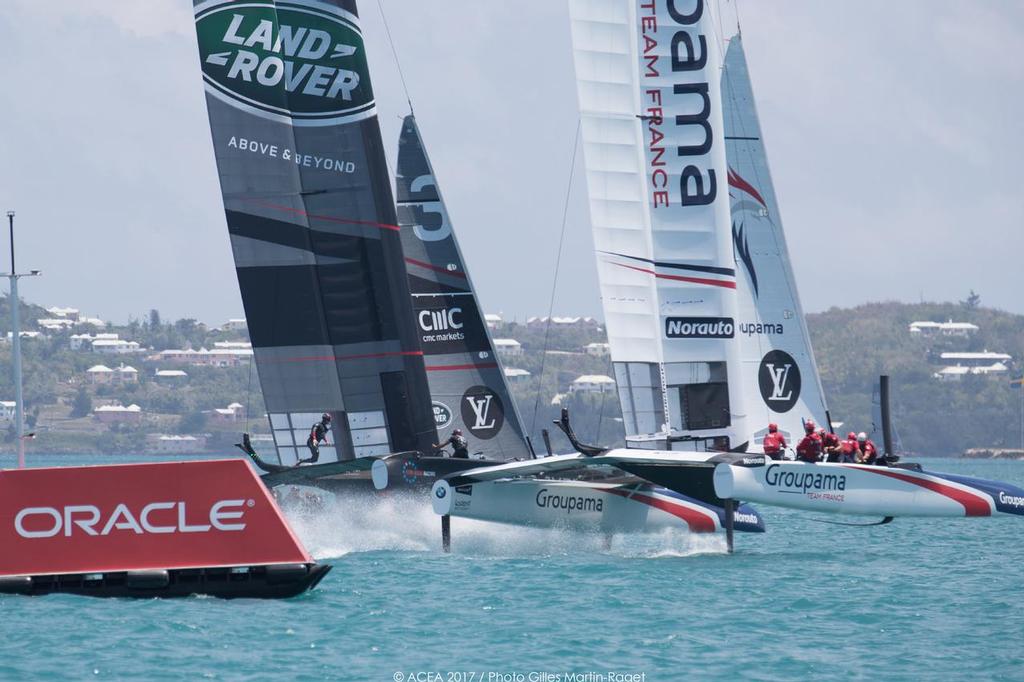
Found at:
<point>331,526</point>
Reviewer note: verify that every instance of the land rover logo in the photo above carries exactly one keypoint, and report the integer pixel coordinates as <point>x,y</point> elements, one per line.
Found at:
<point>442,415</point>
<point>779,380</point>
<point>298,61</point>
<point>482,412</point>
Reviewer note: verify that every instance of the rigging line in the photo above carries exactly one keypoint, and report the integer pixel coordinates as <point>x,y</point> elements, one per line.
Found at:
<point>394,52</point>
<point>558,262</point>
<point>719,30</point>
<point>248,391</point>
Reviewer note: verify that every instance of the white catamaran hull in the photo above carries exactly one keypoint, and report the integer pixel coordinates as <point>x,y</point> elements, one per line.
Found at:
<point>583,505</point>
<point>868,490</point>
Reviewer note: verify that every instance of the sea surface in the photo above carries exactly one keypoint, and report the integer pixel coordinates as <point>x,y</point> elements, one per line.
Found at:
<point>917,599</point>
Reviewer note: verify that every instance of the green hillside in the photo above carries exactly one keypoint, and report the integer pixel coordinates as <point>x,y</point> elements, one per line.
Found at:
<point>853,346</point>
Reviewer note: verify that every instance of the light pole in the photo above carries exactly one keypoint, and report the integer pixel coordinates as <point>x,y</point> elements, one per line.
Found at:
<point>19,407</point>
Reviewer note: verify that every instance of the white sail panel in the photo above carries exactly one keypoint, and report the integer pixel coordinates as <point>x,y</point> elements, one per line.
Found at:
<point>648,76</point>
<point>780,375</point>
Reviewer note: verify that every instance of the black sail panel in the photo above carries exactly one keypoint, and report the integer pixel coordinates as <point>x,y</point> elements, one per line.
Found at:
<point>313,228</point>
<point>466,379</point>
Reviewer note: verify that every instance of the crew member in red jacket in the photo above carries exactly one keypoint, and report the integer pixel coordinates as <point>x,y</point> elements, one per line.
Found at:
<point>829,444</point>
<point>867,453</point>
<point>774,442</point>
<point>848,449</point>
<point>809,449</point>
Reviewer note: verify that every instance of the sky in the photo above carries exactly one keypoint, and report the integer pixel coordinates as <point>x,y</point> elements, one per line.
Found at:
<point>895,133</point>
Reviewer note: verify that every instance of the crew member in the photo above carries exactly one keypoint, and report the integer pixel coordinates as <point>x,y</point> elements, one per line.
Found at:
<point>774,442</point>
<point>809,449</point>
<point>829,444</point>
<point>459,444</point>
<point>848,449</point>
<point>867,453</point>
<point>317,435</point>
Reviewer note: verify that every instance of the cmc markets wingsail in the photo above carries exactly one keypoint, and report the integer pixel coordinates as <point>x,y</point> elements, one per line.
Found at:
<point>363,316</point>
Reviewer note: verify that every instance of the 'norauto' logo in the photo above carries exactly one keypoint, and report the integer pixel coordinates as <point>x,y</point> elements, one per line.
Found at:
<point>299,61</point>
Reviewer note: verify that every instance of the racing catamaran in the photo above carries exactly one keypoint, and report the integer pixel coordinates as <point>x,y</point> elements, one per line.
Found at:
<point>707,334</point>
<point>360,311</point>
<point>352,305</point>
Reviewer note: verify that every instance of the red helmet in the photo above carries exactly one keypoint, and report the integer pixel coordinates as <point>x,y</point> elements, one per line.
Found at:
<point>851,436</point>
<point>326,418</point>
<point>809,426</point>
<point>457,432</point>
<point>773,427</point>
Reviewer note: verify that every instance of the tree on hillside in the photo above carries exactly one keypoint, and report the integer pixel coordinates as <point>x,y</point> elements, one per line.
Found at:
<point>82,405</point>
<point>972,301</point>
<point>193,422</point>
<point>154,319</point>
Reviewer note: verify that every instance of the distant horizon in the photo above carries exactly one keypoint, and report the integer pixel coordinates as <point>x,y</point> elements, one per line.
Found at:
<point>142,317</point>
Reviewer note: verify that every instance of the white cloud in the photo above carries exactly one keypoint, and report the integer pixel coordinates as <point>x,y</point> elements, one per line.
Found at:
<point>138,18</point>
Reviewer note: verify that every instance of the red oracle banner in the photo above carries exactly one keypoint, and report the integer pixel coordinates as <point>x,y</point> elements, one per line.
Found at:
<point>167,515</point>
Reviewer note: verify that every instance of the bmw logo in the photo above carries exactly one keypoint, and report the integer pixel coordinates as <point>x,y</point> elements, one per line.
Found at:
<point>440,493</point>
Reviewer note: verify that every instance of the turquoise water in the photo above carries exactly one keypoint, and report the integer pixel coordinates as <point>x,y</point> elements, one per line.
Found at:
<point>918,598</point>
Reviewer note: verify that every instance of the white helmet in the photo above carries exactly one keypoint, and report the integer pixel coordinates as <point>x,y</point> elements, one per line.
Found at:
<point>861,437</point>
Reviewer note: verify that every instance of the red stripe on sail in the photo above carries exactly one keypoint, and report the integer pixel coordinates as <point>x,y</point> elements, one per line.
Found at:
<point>331,219</point>
<point>739,183</point>
<point>694,280</point>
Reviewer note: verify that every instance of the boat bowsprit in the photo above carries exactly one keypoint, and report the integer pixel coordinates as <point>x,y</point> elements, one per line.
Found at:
<point>866,489</point>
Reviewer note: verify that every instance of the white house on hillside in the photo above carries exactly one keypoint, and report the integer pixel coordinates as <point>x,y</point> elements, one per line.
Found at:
<point>71,314</point>
<point>515,375</point>
<point>975,359</point>
<point>950,328</point>
<point>508,348</point>
<point>118,413</point>
<point>170,376</point>
<point>563,322</point>
<point>115,346</point>
<point>592,383</point>
<point>55,324</point>
<point>100,374</point>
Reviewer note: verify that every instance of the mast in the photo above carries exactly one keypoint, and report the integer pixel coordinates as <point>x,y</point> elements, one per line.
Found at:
<point>19,408</point>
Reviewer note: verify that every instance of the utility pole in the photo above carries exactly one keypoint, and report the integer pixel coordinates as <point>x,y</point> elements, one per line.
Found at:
<point>19,406</point>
